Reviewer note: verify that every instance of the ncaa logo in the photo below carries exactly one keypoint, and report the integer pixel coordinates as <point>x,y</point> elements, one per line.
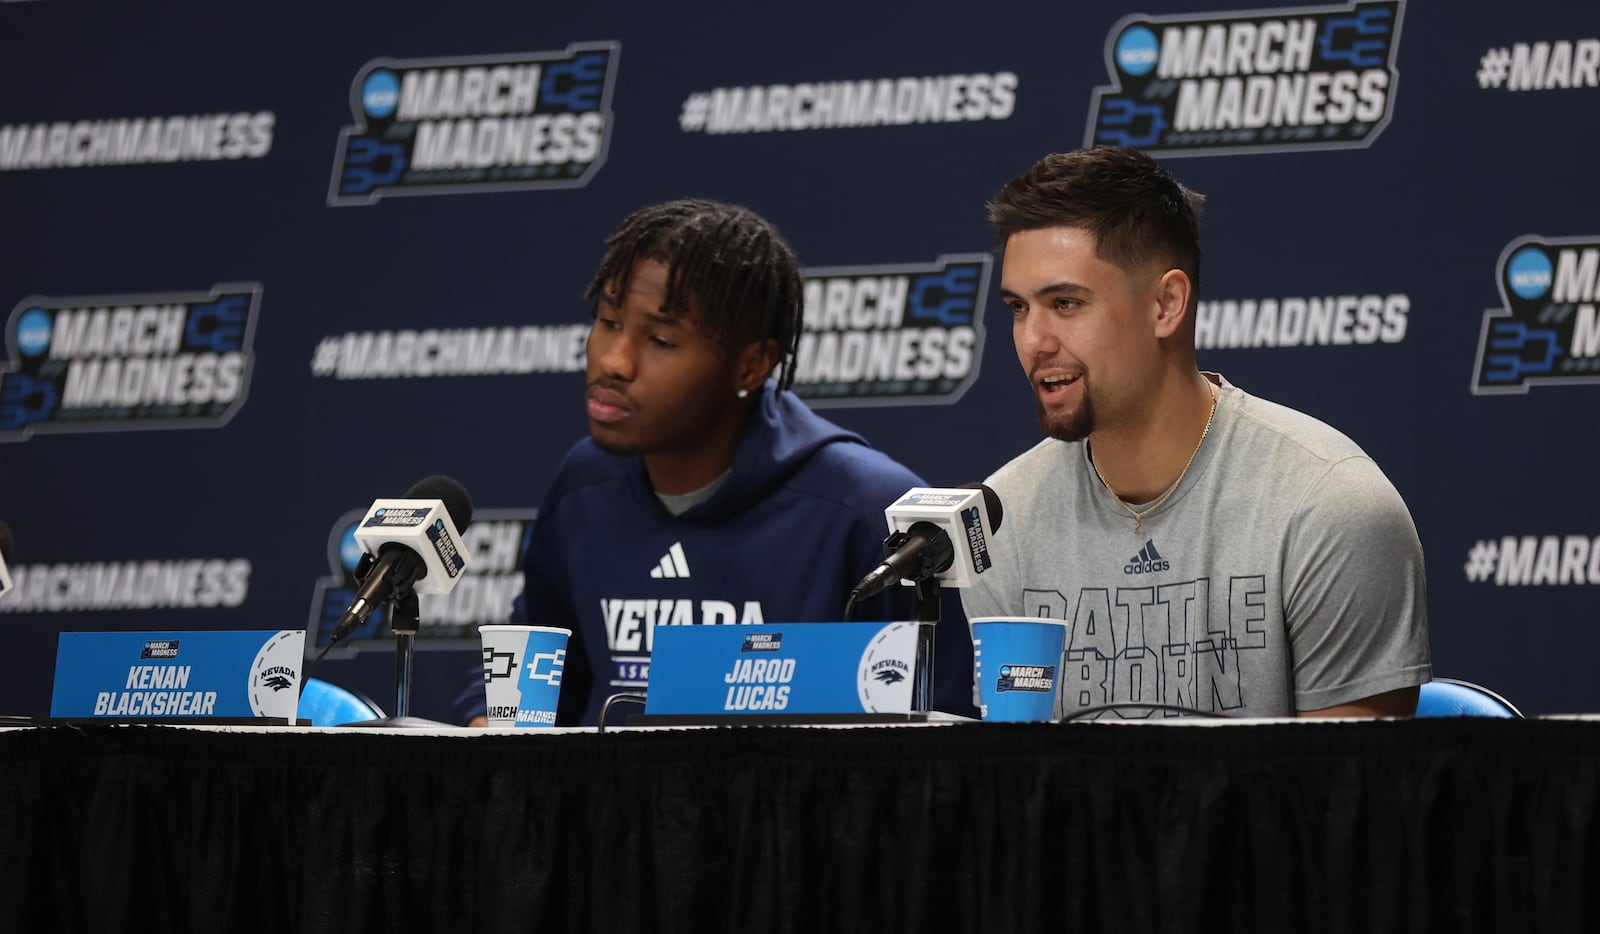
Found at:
<point>380,94</point>
<point>1137,51</point>
<point>33,332</point>
<point>1529,273</point>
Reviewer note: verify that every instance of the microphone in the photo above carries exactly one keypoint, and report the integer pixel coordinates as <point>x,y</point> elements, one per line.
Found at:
<point>6,545</point>
<point>412,545</point>
<point>935,532</point>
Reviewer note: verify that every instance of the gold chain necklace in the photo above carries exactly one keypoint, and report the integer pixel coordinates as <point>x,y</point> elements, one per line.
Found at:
<point>1139,514</point>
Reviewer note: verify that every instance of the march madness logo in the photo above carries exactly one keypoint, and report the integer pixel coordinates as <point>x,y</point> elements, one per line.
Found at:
<point>1548,331</point>
<point>496,541</point>
<point>1266,81</point>
<point>484,123</point>
<point>892,335</point>
<point>122,362</point>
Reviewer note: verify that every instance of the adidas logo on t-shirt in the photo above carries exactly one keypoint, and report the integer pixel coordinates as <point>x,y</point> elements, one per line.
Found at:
<point>1147,561</point>
<point>673,563</point>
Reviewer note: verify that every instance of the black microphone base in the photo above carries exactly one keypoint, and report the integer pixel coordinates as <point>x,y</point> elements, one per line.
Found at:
<point>399,723</point>
<point>771,719</point>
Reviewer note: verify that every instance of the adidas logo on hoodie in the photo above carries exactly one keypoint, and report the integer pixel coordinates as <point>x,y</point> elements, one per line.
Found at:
<point>673,564</point>
<point>1147,561</point>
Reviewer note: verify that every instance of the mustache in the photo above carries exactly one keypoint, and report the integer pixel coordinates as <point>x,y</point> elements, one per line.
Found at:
<point>1073,367</point>
<point>610,385</point>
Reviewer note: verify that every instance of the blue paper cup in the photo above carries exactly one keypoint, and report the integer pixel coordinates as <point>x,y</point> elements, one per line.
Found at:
<point>522,668</point>
<point>1017,660</point>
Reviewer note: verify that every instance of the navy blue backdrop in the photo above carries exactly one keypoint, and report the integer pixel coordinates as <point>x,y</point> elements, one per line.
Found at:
<point>264,266</point>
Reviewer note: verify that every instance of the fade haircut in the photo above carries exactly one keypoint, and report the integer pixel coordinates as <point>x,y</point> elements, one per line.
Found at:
<point>1135,210</point>
<point>729,270</point>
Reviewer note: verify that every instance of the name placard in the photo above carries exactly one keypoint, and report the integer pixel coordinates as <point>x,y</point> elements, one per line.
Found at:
<point>212,675</point>
<point>827,668</point>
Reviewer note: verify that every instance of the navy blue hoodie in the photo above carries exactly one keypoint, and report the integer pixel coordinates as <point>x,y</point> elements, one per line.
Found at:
<point>798,522</point>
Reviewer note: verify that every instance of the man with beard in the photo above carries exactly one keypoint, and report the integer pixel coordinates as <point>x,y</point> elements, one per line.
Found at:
<point>706,492</point>
<point>1212,551</point>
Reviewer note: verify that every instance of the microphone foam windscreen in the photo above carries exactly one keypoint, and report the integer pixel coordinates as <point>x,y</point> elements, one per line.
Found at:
<point>454,495</point>
<point>991,503</point>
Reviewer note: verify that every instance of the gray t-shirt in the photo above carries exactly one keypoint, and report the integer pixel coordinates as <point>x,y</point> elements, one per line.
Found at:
<point>1283,574</point>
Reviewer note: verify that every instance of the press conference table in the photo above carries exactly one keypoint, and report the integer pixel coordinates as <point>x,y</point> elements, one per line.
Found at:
<point>1439,824</point>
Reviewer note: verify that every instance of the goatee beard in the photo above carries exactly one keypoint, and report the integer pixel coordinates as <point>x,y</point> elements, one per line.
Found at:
<point>1075,427</point>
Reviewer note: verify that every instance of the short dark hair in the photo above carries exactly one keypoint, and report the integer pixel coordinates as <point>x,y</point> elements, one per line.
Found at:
<point>1135,209</point>
<point>728,267</point>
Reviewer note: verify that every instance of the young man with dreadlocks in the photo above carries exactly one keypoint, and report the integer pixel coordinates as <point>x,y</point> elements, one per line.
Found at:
<point>705,487</point>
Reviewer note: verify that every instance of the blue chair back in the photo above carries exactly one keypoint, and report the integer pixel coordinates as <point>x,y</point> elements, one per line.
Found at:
<point>1447,697</point>
<point>326,704</point>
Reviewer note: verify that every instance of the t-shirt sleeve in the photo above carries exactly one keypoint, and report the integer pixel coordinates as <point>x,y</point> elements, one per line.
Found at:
<point>983,597</point>
<point>1355,597</point>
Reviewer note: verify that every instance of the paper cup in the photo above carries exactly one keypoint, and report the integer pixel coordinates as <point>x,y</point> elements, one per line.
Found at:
<point>522,668</point>
<point>1017,660</point>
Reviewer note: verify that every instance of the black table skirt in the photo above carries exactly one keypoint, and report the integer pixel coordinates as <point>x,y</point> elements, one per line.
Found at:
<point>1430,825</point>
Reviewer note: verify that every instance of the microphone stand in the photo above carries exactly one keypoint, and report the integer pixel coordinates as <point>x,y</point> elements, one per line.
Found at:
<point>926,612</point>
<point>405,617</point>
<point>927,619</point>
